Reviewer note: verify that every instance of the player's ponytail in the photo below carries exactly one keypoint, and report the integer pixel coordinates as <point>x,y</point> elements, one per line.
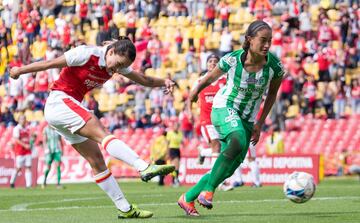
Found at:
<point>122,46</point>
<point>252,30</point>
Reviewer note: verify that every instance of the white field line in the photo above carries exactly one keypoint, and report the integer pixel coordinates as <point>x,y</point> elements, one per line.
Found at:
<point>23,207</point>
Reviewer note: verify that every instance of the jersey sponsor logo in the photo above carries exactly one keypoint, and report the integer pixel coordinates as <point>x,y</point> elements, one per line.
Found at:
<point>209,99</point>
<point>241,89</point>
<point>91,84</point>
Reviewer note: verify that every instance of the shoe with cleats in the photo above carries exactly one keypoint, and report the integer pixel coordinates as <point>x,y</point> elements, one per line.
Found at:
<point>155,170</point>
<point>188,207</point>
<point>205,199</point>
<point>134,212</point>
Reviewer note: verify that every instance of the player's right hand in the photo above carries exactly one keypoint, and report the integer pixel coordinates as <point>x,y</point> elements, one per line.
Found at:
<point>14,73</point>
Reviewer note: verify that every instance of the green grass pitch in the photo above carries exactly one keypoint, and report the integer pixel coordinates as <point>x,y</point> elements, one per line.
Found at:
<point>336,200</point>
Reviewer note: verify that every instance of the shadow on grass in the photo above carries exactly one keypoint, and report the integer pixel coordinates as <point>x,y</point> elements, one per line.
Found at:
<point>205,217</point>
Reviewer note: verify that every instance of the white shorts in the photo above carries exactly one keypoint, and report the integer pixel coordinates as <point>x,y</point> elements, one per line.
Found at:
<point>209,133</point>
<point>251,151</point>
<point>66,115</point>
<point>23,161</point>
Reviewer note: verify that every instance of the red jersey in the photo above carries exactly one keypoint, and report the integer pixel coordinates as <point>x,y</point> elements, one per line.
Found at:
<point>206,98</point>
<point>85,71</point>
<point>23,134</point>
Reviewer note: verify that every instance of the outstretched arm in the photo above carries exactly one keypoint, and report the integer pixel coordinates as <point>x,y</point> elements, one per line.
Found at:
<point>150,81</point>
<point>59,62</point>
<point>204,82</point>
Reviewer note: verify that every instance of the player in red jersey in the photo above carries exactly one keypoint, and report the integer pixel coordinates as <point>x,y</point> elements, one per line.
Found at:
<point>84,68</point>
<point>22,150</point>
<point>206,97</point>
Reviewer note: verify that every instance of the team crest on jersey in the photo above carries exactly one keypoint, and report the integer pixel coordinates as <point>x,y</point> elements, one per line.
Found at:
<point>231,61</point>
<point>261,81</point>
<point>251,80</point>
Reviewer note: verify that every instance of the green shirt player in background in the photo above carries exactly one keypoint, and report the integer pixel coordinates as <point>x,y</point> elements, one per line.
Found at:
<point>52,145</point>
<point>251,72</point>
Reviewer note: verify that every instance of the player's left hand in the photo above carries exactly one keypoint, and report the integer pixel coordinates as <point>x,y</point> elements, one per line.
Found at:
<point>256,133</point>
<point>169,86</point>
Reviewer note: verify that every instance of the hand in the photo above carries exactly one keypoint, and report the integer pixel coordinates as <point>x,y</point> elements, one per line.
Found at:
<point>193,97</point>
<point>256,133</point>
<point>169,86</point>
<point>15,72</point>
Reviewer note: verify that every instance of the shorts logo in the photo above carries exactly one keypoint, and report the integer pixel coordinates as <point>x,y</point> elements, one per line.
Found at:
<point>232,117</point>
<point>234,123</point>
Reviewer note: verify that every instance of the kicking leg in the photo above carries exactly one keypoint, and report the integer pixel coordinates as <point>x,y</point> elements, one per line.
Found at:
<point>90,151</point>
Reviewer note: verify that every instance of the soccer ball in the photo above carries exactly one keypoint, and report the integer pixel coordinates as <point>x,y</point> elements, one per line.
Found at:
<point>299,187</point>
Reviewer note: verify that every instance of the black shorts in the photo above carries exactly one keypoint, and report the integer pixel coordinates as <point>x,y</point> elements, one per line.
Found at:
<point>174,153</point>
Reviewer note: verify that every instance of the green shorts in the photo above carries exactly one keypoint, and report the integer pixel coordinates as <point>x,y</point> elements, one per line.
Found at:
<point>49,158</point>
<point>227,120</point>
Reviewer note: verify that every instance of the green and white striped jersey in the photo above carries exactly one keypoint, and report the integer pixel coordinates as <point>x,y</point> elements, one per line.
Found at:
<point>243,90</point>
<point>52,140</point>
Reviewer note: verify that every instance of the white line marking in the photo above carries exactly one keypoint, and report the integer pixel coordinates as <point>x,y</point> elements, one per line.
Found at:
<point>23,207</point>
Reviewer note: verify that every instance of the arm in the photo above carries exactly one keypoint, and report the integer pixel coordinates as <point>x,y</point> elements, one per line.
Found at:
<point>150,81</point>
<point>204,82</point>
<point>269,102</point>
<point>270,99</point>
<point>38,66</point>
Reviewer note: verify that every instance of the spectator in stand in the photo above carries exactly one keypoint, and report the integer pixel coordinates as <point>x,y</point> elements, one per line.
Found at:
<point>22,149</point>
<point>225,42</point>
<point>305,22</point>
<point>328,101</point>
<point>325,33</point>
<point>324,61</point>
<point>157,118</point>
<point>131,22</point>
<point>156,97</point>
<point>178,41</point>
<point>38,49</point>
<point>309,91</point>
<point>186,121</point>
<point>224,11</point>
<point>123,120</point>
<point>140,97</point>
<point>154,47</point>
<point>277,41</point>
<point>107,11</point>
<point>42,85</point>
<point>83,12</point>
<point>190,60</point>
<point>210,14</point>
<point>340,100</point>
<point>7,117</point>
<point>286,89</point>
<point>355,96</point>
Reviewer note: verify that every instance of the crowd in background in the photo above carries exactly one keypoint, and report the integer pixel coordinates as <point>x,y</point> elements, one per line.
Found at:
<point>320,50</point>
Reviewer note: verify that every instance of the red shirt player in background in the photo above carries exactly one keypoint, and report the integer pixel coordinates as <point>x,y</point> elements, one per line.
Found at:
<point>22,149</point>
<point>83,69</point>
<point>206,97</point>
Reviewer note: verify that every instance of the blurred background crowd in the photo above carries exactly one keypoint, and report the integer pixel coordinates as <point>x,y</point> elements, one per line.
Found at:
<point>317,41</point>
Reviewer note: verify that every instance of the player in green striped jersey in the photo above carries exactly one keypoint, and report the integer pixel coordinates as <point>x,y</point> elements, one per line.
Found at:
<point>52,145</point>
<point>250,72</point>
